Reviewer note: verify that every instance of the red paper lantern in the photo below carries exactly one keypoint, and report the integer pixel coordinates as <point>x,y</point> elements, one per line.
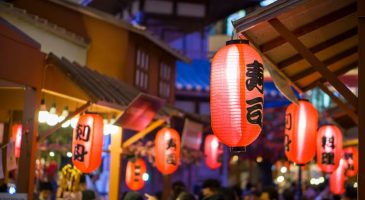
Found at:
<point>134,172</point>
<point>236,97</point>
<point>213,152</point>
<point>337,179</point>
<point>167,150</point>
<point>16,130</point>
<point>351,156</point>
<point>329,148</point>
<point>87,142</point>
<point>301,122</point>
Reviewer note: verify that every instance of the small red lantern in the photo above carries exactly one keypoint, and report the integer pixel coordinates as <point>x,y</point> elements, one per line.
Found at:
<point>329,148</point>
<point>17,130</point>
<point>213,152</point>
<point>87,142</point>
<point>236,95</point>
<point>134,173</point>
<point>167,150</point>
<point>351,156</point>
<point>301,122</point>
<point>337,179</point>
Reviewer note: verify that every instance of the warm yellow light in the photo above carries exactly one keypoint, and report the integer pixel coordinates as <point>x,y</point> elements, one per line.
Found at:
<point>280,179</point>
<point>63,116</point>
<point>52,118</point>
<point>283,170</point>
<point>74,122</point>
<point>259,159</point>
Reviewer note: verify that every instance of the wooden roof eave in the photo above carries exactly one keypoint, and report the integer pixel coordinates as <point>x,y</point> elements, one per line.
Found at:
<point>57,83</point>
<point>122,24</point>
<point>270,14</point>
<point>265,14</point>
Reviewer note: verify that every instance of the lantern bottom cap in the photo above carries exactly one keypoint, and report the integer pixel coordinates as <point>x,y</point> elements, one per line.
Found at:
<point>237,149</point>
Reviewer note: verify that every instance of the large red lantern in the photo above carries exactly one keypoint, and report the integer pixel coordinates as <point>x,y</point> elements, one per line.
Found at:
<point>213,152</point>
<point>236,96</point>
<point>167,150</point>
<point>87,142</point>
<point>337,179</point>
<point>329,148</point>
<point>301,122</point>
<point>351,156</point>
<point>134,173</point>
<point>16,130</point>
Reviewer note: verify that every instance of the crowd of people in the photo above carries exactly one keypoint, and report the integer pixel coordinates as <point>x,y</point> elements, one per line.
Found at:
<point>211,189</point>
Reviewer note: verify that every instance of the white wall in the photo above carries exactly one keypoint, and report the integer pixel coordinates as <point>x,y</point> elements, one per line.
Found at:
<point>49,41</point>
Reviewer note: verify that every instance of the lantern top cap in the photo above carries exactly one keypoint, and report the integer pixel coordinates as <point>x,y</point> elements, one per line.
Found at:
<point>91,113</point>
<point>239,41</point>
<point>302,99</point>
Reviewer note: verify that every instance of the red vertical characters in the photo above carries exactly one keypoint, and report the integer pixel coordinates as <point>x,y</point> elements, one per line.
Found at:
<point>87,142</point>
<point>134,173</point>
<point>351,156</point>
<point>213,152</point>
<point>236,96</point>
<point>167,150</point>
<point>16,130</point>
<point>337,179</point>
<point>301,122</point>
<point>329,148</point>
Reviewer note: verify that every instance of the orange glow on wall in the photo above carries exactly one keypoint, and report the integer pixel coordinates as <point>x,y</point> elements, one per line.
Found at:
<point>134,172</point>
<point>351,156</point>
<point>16,137</point>
<point>236,96</point>
<point>167,150</point>
<point>87,143</point>
<point>337,179</point>
<point>329,148</point>
<point>213,152</point>
<point>301,122</point>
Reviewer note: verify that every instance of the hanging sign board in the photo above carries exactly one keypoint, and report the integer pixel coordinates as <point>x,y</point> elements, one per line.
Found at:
<point>192,134</point>
<point>140,112</point>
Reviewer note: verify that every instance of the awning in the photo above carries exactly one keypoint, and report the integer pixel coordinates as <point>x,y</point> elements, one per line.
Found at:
<point>99,88</point>
<point>309,42</point>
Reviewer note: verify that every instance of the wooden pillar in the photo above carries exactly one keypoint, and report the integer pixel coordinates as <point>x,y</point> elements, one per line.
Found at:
<point>115,164</point>
<point>166,187</point>
<point>361,106</point>
<point>28,151</point>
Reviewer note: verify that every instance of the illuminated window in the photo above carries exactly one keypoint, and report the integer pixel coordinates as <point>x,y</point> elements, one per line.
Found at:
<point>165,80</point>
<point>142,66</point>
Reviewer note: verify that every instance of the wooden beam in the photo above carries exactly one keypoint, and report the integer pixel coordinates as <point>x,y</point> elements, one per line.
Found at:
<point>361,73</point>
<point>28,152</point>
<point>48,132</point>
<point>343,70</point>
<point>345,107</point>
<point>271,62</point>
<point>313,60</point>
<point>316,24</point>
<point>115,164</point>
<point>327,62</point>
<point>319,47</point>
<point>143,133</point>
<point>348,143</point>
